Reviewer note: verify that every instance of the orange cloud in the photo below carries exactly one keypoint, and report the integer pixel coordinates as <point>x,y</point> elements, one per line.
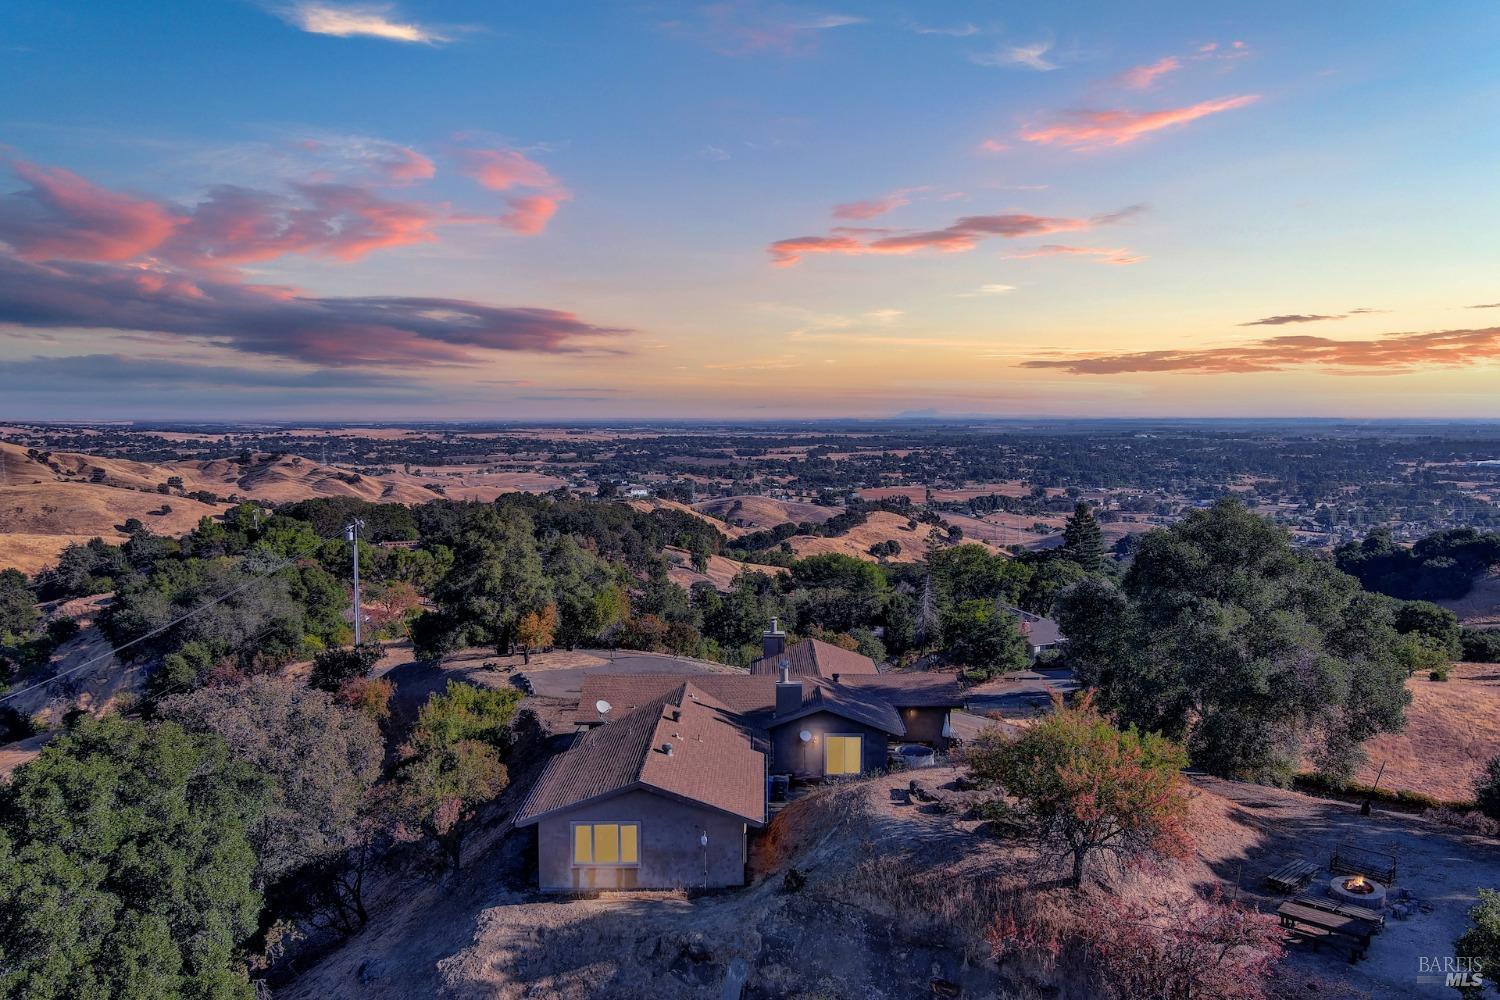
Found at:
<point>508,170</point>
<point>1099,129</point>
<point>1392,354</point>
<point>1142,77</point>
<point>1105,255</point>
<point>964,234</point>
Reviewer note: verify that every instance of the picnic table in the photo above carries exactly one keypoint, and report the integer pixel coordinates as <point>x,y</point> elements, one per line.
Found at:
<point>1320,925</point>
<point>1292,876</point>
<point>1377,920</point>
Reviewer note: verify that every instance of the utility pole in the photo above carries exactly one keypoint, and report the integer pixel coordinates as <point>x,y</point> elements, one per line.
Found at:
<point>351,532</point>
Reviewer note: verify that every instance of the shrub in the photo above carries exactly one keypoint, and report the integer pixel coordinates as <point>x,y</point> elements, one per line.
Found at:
<point>1440,674</point>
<point>1213,948</point>
<point>15,725</point>
<point>60,630</point>
<point>1487,789</point>
<point>333,667</point>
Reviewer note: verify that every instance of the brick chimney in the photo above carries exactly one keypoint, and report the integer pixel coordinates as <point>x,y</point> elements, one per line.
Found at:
<point>773,640</point>
<point>788,692</point>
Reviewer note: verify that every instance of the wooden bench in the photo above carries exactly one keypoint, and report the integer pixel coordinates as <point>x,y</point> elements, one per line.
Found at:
<point>1292,876</point>
<point>1351,860</point>
<point>1376,920</point>
<point>1320,926</point>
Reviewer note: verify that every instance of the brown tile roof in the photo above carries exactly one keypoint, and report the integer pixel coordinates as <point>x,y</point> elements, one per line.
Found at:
<point>844,701</point>
<point>920,690</point>
<point>753,699</point>
<point>739,693</point>
<point>713,759</point>
<point>815,658</point>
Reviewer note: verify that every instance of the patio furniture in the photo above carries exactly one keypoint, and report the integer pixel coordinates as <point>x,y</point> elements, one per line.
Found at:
<point>1377,920</point>
<point>1350,859</point>
<point>1292,876</point>
<point>1319,927</point>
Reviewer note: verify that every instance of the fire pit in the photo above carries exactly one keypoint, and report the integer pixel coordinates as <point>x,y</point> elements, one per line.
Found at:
<point>1359,890</point>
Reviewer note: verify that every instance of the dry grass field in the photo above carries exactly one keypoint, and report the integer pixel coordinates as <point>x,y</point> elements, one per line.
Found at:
<point>71,497</point>
<point>882,526</point>
<point>1452,730</point>
<point>756,513</point>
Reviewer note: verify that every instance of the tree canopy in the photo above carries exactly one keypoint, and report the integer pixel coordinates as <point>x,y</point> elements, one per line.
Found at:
<point>1223,635</point>
<point>125,867</point>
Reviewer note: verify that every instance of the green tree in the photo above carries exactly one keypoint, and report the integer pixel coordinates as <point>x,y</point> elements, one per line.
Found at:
<point>1083,542</point>
<point>973,573</point>
<point>18,614</point>
<point>1224,636</point>
<point>1480,942</point>
<point>1427,619</point>
<point>1083,789</point>
<point>496,578</point>
<point>125,868</point>
<point>454,762</point>
<point>983,638</point>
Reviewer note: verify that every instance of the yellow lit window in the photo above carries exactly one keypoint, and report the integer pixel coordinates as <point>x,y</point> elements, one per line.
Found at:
<point>843,754</point>
<point>606,843</point>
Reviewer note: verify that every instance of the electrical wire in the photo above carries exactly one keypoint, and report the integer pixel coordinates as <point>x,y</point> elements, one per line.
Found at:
<point>116,651</point>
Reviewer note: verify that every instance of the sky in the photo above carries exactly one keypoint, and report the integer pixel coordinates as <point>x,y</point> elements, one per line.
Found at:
<point>323,210</point>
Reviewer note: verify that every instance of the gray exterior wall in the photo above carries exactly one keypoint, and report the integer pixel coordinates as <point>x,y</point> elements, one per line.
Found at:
<point>670,855</point>
<point>925,725</point>
<point>789,757</point>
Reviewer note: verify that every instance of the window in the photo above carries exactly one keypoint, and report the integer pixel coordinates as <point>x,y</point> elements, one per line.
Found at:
<point>615,844</point>
<point>843,754</point>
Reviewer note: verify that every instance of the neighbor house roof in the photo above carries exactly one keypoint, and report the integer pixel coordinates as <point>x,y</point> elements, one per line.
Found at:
<point>917,690</point>
<point>815,658</point>
<point>1038,631</point>
<point>712,761</point>
<point>753,699</point>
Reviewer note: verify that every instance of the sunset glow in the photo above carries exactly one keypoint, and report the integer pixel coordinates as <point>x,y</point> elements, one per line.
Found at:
<point>746,210</point>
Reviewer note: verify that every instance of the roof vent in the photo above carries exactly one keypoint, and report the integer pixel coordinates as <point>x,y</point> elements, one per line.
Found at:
<point>666,748</point>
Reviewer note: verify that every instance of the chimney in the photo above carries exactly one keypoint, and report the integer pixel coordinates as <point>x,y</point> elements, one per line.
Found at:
<point>666,748</point>
<point>835,678</point>
<point>773,640</point>
<point>788,692</point>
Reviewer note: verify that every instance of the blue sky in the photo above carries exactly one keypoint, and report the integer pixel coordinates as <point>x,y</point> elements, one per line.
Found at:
<point>553,211</point>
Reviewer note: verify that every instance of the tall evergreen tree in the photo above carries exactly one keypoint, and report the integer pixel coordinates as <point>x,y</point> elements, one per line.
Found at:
<point>1083,542</point>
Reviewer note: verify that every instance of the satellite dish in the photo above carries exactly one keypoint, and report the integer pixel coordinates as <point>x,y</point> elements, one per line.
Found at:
<point>805,736</point>
<point>602,707</point>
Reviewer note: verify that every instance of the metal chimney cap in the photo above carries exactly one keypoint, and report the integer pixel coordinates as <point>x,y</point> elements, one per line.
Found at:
<point>666,748</point>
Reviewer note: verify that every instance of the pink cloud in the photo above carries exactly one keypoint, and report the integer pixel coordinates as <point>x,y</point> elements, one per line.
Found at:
<point>508,170</point>
<point>236,225</point>
<point>964,234</point>
<point>875,206</point>
<point>1105,255</point>
<point>63,215</point>
<point>1099,129</point>
<point>404,165</point>
<point>993,146</point>
<point>1142,77</point>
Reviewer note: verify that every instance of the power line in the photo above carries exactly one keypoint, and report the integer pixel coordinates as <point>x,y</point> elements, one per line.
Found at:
<point>116,651</point>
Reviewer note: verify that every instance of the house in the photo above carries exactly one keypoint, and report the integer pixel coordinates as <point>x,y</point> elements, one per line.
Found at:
<point>662,798</point>
<point>1040,633</point>
<point>669,773</point>
<point>808,658</point>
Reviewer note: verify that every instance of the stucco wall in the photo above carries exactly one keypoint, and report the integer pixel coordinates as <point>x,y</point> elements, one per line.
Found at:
<point>670,855</point>
<point>788,756</point>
